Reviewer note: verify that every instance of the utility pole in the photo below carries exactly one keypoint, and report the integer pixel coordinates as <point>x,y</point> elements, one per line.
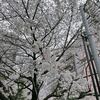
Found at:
<point>89,64</point>
<point>91,41</point>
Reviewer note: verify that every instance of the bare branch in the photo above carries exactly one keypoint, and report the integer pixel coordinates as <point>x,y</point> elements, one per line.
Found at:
<point>26,8</point>
<point>16,11</point>
<point>72,40</point>
<point>36,9</point>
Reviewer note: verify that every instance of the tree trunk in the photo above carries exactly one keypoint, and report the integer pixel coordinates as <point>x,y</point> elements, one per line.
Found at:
<point>35,88</point>
<point>34,95</point>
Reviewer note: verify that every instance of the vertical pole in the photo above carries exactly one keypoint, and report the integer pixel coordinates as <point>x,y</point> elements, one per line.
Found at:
<point>94,70</point>
<point>88,61</point>
<point>91,42</point>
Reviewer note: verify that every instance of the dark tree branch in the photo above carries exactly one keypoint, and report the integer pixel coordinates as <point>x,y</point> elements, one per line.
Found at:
<point>69,27</point>
<point>52,94</point>
<point>69,44</point>
<point>36,9</point>
<point>26,8</point>
<point>57,23</point>
<point>27,4</point>
<point>16,11</point>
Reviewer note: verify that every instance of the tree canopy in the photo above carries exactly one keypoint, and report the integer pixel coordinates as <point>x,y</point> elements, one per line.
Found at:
<point>41,50</point>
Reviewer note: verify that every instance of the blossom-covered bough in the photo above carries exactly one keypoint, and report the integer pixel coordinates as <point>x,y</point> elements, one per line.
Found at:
<point>41,50</point>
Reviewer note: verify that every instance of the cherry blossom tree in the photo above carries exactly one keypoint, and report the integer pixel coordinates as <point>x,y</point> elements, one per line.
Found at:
<point>39,40</point>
